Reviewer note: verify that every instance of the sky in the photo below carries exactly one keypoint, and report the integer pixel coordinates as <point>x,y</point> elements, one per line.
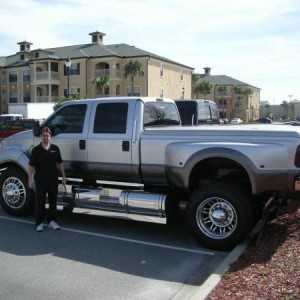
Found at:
<point>257,41</point>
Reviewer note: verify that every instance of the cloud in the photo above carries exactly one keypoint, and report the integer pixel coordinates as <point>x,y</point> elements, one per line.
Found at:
<point>255,41</point>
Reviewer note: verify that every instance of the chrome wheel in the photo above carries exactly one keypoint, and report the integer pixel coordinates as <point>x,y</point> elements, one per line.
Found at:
<point>14,192</point>
<point>216,218</point>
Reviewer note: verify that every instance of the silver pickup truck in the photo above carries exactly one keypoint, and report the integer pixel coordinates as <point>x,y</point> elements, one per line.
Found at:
<point>132,156</point>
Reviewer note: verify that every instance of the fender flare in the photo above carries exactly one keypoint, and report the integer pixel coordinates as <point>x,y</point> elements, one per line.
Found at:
<point>13,156</point>
<point>183,174</point>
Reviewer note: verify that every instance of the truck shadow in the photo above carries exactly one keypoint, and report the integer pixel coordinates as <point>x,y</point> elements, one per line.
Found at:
<point>162,252</point>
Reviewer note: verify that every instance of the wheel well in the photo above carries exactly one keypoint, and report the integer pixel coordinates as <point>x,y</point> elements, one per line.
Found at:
<point>218,168</point>
<point>12,165</point>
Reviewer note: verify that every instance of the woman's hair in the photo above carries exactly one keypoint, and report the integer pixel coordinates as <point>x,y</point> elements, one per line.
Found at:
<point>45,129</point>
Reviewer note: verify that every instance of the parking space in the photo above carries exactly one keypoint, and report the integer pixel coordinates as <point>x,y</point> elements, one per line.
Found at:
<point>95,257</point>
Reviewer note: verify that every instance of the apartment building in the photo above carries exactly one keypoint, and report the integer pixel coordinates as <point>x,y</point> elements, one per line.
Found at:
<point>230,103</point>
<point>41,75</point>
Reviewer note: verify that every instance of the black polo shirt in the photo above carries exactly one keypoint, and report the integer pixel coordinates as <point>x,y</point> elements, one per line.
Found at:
<point>45,163</point>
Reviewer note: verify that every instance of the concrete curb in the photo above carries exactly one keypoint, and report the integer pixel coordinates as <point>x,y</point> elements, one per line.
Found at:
<point>212,281</point>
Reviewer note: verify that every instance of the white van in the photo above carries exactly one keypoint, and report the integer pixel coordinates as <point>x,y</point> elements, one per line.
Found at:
<point>7,117</point>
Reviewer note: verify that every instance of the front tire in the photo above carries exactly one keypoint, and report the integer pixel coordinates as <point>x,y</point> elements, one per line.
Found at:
<point>15,196</point>
<point>220,215</point>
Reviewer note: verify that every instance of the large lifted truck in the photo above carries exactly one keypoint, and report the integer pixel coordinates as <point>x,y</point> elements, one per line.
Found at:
<point>133,157</point>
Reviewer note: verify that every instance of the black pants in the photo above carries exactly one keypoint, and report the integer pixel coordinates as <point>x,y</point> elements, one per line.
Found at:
<point>42,189</point>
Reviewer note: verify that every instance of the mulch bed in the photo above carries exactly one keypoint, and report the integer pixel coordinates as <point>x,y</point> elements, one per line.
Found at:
<point>270,269</point>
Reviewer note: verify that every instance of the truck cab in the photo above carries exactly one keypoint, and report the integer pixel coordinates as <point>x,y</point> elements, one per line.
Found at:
<point>99,138</point>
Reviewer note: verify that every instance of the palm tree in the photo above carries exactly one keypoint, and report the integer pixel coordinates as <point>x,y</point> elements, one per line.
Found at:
<point>102,82</point>
<point>133,68</point>
<point>268,109</point>
<point>247,92</point>
<point>204,87</point>
<point>222,89</point>
<point>195,81</point>
<point>285,106</point>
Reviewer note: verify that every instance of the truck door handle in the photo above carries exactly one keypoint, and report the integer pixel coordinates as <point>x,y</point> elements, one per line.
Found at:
<point>82,144</point>
<point>125,146</point>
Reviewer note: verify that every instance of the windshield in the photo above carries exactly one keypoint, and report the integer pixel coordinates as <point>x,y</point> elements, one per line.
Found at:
<point>4,119</point>
<point>160,114</point>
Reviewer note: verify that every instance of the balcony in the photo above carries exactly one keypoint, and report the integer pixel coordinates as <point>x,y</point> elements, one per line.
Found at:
<point>45,75</point>
<point>47,99</point>
<point>115,74</point>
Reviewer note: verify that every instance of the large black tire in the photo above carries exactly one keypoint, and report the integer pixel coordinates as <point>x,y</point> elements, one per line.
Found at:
<point>15,196</point>
<point>220,215</point>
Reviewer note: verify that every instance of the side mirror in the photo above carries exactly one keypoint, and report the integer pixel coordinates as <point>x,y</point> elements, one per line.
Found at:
<point>36,128</point>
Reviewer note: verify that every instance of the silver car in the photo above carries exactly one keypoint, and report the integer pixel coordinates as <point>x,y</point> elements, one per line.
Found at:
<point>236,121</point>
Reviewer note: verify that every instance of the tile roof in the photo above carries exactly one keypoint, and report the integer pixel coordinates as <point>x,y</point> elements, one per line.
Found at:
<point>222,79</point>
<point>85,50</point>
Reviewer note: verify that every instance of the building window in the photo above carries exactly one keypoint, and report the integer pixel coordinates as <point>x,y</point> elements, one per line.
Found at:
<point>26,97</point>
<point>22,57</point>
<point>136,92</point>
<point>223,93</point>
<point>181,75</point>
<point>161,70</point>
<point>74,69</point>
<point>73,92</point>
<point>13,77</point>
<point>13,98</point>
<point>161,93</point>
<point>36,55</point>
<point>26,75</point>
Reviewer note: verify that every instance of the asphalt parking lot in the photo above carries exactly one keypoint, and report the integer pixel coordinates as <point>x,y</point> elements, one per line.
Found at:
<point>96,257</point>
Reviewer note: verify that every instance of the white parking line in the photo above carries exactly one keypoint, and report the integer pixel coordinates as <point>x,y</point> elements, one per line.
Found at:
<point>120,238</point>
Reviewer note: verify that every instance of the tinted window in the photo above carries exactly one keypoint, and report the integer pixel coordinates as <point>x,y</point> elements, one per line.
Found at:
<point>111,118</point>
<point>187,111</point>
<point>161,114</point>
<point>69,119</point>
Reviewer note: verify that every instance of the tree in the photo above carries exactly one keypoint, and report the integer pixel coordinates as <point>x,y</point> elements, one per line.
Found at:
<point>132,69</point>
<point>102,82</point>
<point>222,89</point>
<point>268,109</point>
<point>285,106</point>
<point>238,90</point>
<point>75,96</point>
<point>243,92</point>
<point>247,92</point>
<point>195,81</point>
<point>203,87</point>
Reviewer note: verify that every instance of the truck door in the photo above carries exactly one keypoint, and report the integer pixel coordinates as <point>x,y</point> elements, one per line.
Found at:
<point>69,128</point>
<point>109,143</point>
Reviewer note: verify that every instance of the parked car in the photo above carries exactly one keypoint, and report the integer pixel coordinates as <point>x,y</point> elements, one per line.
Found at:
<point>236,121</point>
<point>224,121</point>
<point>8,117</point>
<point>264,120</point>
<point>14,126</point>
<point>293,123</point>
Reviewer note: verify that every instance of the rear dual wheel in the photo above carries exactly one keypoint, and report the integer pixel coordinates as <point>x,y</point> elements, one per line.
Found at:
<point>220,215</point>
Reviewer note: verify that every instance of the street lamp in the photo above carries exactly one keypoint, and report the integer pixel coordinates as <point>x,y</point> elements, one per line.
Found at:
<point>68,64</point>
